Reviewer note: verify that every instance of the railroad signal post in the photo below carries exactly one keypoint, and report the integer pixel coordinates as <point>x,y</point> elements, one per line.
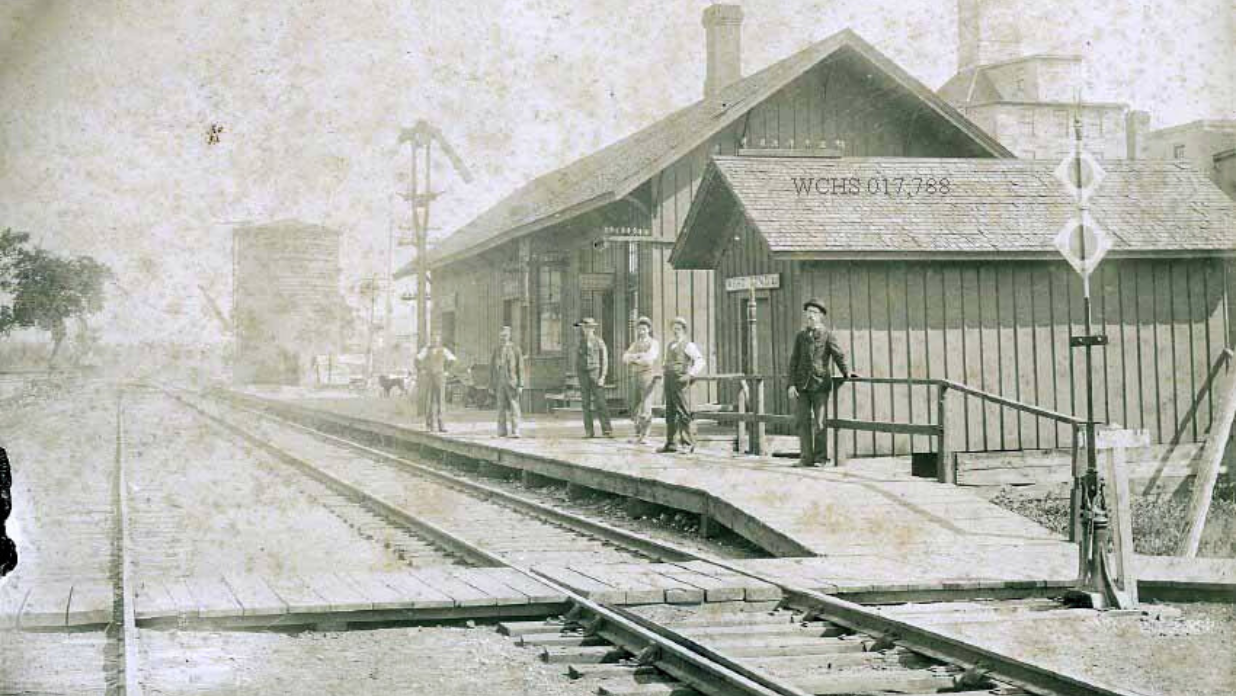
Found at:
<point>1083,243</point>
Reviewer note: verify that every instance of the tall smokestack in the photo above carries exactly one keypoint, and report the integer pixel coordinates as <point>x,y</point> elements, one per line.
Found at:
<point>988,31</point>
<point>723,31</point>
<point>1136,126</point>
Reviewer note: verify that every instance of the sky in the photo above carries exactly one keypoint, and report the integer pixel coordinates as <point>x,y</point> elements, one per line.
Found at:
<point>107,106</point>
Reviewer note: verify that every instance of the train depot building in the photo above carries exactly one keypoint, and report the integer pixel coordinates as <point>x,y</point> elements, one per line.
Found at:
<point>946,269</point>
<point>594,238</point>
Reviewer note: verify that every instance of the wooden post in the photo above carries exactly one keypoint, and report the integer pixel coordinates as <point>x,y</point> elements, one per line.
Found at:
<point>1116,487</point>
<point>742,411</point>
<point>1204,483</point>
<point>759,443</point>
<point>1076,496</point>
<point>944,464</point>
<point>753,350</point>
<point>836,431</point>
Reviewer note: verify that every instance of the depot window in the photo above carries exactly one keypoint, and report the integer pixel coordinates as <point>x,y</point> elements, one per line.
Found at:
<point>549,309</point>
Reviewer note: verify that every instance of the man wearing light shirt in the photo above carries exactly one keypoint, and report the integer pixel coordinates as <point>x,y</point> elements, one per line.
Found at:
<point>682,363</point>
<point>432,361</point>
<point>641,357</point>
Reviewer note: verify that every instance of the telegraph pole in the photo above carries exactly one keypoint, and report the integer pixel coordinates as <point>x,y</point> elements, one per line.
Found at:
<point>421,138</point>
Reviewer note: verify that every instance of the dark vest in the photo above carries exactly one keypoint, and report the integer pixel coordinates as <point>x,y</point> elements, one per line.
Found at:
<point>589,355</point>
<point>677,362</point>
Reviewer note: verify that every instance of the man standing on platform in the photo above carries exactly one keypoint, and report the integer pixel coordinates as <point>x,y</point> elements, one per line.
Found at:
<point>641,357</point>
<point>811,381</point>
<point>591,366</point>
<point>506,378</point>
<point>432,362</point>
<point>683,362</point>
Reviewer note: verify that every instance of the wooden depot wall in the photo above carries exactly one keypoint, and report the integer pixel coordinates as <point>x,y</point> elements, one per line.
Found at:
<point>1002,327</point>
<point>842,98</point>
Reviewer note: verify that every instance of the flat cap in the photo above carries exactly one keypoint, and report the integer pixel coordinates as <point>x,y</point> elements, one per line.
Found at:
<point>586,321</point>
<point>817,304</point>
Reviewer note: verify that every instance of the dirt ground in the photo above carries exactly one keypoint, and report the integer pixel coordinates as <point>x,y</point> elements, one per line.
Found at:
<point>1186,655</point>
<point>412,661</point>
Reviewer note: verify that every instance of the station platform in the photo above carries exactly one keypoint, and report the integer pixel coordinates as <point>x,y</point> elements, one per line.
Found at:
<point>872,520</point>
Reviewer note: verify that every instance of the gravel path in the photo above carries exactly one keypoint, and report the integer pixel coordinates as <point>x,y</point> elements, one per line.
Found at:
<point>202,503</point>
<point>62,455</point>
<point>412,661</point>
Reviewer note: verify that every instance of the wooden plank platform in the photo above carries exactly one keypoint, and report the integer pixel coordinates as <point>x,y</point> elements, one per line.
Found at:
<point>659,583</point>
<point>882,525</point>
<point>330,598</point>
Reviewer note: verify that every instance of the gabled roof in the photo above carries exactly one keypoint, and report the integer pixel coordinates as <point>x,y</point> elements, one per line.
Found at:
<point>616,170</point>
<point>995,208</point>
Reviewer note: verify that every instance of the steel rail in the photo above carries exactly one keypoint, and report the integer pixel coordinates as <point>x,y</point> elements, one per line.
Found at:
<point>966,655</point>
<point>659,550</point>
<point>668,655</point>
<point>128,662</point>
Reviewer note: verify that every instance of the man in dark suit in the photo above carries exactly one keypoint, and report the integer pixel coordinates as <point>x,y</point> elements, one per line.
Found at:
<point>811,381</point>
<point>591,365</point>
<point>506,378</point>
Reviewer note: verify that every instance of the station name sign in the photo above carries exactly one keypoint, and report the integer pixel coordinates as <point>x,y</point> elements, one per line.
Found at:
<point>768,281</point>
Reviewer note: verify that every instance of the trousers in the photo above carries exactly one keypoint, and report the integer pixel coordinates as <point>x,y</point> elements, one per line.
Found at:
<point>643,384</point>
<point>593,396</point>
<point>436,386</point>
<point>678,423</point>
<point>508,409</point>
<point>812,411</point>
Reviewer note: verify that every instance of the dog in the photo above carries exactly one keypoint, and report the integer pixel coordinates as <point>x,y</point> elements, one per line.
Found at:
<point>402,382</point>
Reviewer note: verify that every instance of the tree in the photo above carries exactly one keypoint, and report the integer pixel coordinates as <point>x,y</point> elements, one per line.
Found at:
<point>47,290</point>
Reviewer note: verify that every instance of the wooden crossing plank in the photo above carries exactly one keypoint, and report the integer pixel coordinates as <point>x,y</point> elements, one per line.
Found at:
<point>635,590</point>
<point>339,595</point>
<point>380,595</point>
<point>714,589</point>
<point>12,596</point>
<point>214,599</point>
<point>152,601</point>
<point>91,603</point>
<point>589,587</point>
<point>46,605</point>
<point>537,592</point>
<point>753,590</point>
<point>502,593</point>
<point>462,593</point>
<point>297,594</point>
<point>417,594</point>
<point>186,604</point>
<point>255,596</point>
<point>676,591</point>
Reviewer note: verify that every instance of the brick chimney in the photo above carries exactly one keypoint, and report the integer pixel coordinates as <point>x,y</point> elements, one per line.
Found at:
<point>1136,126</point>
<point>723,46</point>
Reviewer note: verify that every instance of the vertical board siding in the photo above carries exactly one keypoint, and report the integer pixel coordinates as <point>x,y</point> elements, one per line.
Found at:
<point>1003,328</point>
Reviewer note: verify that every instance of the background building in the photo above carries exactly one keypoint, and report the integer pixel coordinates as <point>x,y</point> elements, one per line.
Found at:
<point>1027,102</point>
<point>288,307</point>
<point>1208,145</point>
<point>593,238</point>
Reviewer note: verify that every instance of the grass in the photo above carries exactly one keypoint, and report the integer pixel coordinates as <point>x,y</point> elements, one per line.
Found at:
<point>1159,524</point>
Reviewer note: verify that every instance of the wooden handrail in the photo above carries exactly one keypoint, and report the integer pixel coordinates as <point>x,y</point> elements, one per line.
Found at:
<point>1012,403</point>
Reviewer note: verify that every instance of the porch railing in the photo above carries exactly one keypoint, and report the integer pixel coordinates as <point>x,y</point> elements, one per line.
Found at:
<point>750,416</point>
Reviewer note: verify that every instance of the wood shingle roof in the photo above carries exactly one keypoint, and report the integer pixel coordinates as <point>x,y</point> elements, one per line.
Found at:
<point>616,170</point>
<point>992,207</point>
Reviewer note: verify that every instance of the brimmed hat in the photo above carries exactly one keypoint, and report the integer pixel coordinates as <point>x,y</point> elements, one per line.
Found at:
<point>679,321</point>
<point>587,321</point>
<point>644,321</point>
<point>817,304</point>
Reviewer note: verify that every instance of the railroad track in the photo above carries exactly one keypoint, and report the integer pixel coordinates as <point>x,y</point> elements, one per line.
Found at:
<point>474,523</point>
<point>123,631</point>
<point>810,643</point>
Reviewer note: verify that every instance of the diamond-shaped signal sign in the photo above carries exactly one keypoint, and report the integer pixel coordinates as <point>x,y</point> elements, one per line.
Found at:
<point>1092,174</point>
<point>1080,234</point>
